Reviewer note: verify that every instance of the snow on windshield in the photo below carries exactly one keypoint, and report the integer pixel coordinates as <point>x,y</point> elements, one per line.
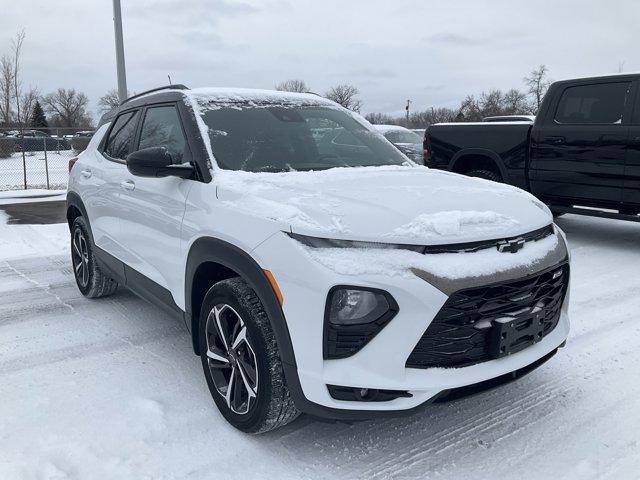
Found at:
<point>202,100</point>
<point>265,131</point>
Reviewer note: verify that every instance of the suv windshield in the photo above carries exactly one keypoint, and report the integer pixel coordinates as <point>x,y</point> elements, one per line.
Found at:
<point>275,138</point>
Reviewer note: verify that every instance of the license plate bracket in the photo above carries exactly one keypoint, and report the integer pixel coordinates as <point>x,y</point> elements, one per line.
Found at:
<point>512,334</point>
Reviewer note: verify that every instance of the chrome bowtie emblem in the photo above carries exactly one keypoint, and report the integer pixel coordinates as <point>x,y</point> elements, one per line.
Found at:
<point>510,246</point>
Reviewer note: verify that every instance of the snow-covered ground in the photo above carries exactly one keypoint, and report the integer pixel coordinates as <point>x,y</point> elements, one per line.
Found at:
<point>31,195</point>
<point>12,170</point>
<point>110,389</point>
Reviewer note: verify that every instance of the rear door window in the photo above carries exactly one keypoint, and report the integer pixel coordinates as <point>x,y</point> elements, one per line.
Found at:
<point>602,103</point>
<point>162,128</point>
<point>120,140</point>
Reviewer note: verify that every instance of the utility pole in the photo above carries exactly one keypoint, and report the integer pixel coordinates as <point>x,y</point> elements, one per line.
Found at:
<point>407,109</point>
<point>122,75</point>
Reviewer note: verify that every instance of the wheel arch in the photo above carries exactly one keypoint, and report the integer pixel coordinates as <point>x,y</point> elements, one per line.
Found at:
<point>471,159</point>
<point>211,260</point>
<point>76,208</point>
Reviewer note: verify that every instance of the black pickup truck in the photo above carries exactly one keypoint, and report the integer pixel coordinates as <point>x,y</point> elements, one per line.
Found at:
<point>580,155</point>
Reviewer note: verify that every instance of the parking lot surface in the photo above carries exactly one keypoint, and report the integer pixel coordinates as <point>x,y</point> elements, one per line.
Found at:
<point>110,388</point>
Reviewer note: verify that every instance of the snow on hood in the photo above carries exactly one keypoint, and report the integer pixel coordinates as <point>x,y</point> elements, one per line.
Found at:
<point>402,204</point>
<point>428,225</point>
<point>402,263</point>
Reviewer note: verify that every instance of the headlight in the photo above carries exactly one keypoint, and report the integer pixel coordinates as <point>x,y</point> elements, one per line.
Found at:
<point>317,242</point>
<point>355,307</point>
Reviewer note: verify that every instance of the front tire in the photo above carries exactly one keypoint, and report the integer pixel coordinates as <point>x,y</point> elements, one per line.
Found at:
<point>241,360</point>
<point>91,280</point>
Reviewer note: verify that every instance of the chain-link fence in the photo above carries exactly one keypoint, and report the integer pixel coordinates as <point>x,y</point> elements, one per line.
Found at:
<point>38,158</point>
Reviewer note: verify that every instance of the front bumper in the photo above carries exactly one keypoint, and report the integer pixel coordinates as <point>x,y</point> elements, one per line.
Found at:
<point>381,363</point>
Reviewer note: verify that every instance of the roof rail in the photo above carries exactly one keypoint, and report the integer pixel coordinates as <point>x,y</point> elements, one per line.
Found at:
<point>177,86</point>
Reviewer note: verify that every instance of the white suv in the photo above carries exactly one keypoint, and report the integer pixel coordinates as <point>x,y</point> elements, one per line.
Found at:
<point>317,268</point>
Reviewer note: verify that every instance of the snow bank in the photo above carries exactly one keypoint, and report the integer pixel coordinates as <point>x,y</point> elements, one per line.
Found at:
<point>362,261</point>
<point>456,222</point>
<point>32,195</point>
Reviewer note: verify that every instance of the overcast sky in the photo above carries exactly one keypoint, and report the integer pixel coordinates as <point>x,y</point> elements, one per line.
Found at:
<point>433,52</point>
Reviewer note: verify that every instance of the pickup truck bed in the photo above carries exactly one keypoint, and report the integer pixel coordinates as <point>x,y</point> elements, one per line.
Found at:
<point>581,155</point>
<point>468,147</point>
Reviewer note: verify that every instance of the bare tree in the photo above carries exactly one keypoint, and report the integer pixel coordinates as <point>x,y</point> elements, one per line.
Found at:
<point>469,110</point>
<point>16,46</point>
<point>492,103</point>
<point>68,108</point>
<point>380,119</point>
<point>27,102</point>
<point>109,100</point>
<point>515,103</point>
<point>537,84</point>
<point>430,116</point>
<point>346,95</point>
<point>6,89</point>
<point>293,86</point>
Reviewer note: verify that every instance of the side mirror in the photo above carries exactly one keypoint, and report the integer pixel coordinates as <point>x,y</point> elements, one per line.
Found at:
<point>156,162</point>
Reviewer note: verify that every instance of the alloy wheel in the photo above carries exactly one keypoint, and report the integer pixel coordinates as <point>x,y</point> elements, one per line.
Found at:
<point>80,256</point>
<point>231,358</point>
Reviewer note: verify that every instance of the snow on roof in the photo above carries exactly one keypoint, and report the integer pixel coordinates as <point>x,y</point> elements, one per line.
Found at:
<point>603,75</point>
<point>250,95</point>
<point>389,128</point>
<point>524,122</point>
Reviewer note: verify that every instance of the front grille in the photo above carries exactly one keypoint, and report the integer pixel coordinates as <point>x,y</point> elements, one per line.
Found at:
<point>461,333</point>
<point>534,236</point>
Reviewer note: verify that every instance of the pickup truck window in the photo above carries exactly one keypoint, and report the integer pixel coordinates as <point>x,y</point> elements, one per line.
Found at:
<point>601,103</point>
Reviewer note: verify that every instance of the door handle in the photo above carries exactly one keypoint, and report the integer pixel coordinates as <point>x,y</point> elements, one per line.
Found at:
<point>128,184</point>
<point>85,173</point>
<point>555,140</point>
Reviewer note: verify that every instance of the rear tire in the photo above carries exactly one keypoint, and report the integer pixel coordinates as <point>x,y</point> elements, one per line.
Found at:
<point>91,280</point>
<point>486,174</point>
<point>241,360</point>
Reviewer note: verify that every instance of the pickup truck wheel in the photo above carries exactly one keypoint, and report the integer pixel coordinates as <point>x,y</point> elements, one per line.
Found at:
<point>241,360</point>
<point>91,280</point>
<point>486,174</point>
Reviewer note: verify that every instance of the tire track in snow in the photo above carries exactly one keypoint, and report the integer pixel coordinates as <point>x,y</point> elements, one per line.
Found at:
<point>472,428</point>
<point>112,341</point>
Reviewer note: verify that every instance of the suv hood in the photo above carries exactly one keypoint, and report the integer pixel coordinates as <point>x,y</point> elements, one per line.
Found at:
<point>395,204</point>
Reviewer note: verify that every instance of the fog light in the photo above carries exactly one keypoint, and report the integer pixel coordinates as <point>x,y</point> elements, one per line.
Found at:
<point>358,394</point>
<point>354,307</point>
<point>352,317</point>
